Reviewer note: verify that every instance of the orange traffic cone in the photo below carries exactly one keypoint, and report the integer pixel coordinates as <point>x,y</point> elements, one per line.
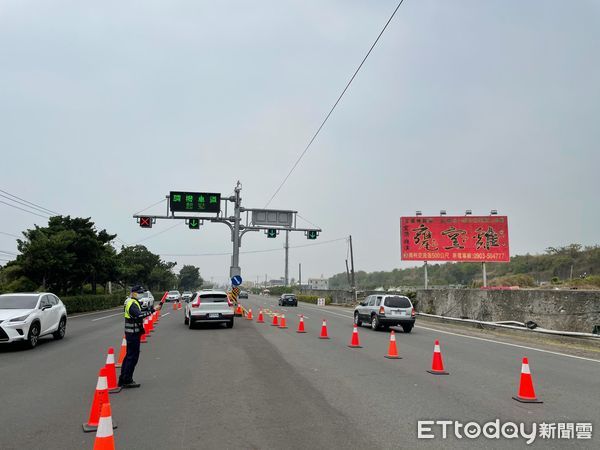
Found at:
<point>354,343</point>
<point>100,397</point>
<point>249,316</point>
<point>301,325</point>
<point>104,434</point>
<point>324,330</point>
<point>260,319</point>
<point>151,324</point>
<point>437,364</point>
<point>392,349</point>
<point>238,311</point>
<point>122,352</point>
<point>275,320</point>
<point>174,306</point>
<point>111,372</point>
<point>144,337</point>
<point>283,323</point>
<point>526,391</point>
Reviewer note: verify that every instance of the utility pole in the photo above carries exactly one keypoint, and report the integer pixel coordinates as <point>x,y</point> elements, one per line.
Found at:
<point>300,275</point>
<point>426,278</point>
<point>235,233</point>
<point>352,268</point>
<point>348,273</point>
<point>287,251</point>
<point>484,275</point>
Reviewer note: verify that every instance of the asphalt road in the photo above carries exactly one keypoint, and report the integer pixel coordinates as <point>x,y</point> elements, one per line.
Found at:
<point>256,386</point>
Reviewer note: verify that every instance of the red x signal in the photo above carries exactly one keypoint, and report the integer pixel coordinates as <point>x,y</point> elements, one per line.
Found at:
<point>146,222</point>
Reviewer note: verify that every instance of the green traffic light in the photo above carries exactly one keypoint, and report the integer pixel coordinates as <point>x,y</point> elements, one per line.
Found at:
<point>312,235</point>
<point>194,224</point>
<point>272,233</point>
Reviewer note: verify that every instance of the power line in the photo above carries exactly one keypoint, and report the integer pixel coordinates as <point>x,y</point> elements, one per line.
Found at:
<point>8,253</point>
<point>153,204</point>
<point>156,234</point>
<point>11,235</point>
<point>30,212</point>
<point>334,105</point>
<point>307,221</point>
<point>46,210</point>
<point>252,251</point>
<point>34,208</point>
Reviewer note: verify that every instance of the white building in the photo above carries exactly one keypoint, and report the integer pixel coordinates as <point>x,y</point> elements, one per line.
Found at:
<point>318,283</point>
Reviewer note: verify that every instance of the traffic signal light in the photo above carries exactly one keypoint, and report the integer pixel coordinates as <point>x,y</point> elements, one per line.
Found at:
<point>194,224</point>
<point>146,222</point>
<point>312,234</point>
<point>271,233</point>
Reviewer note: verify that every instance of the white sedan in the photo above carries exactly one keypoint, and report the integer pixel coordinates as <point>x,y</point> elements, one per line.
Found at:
<point>27,317</point>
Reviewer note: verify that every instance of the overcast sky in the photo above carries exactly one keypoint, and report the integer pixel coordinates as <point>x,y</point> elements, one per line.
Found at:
<point>107,106</point>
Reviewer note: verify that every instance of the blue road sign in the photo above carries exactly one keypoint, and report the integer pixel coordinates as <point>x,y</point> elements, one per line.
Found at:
<point>236,280</point>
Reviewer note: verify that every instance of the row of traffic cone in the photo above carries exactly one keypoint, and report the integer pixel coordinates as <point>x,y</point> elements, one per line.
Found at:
<point>100,417</point>
<point>526,390</point>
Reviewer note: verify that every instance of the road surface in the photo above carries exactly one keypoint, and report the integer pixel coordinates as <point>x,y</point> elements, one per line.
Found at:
<point>257,386</point>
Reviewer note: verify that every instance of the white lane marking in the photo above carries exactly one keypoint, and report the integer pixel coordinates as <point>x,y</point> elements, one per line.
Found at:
<point>92,313</point>
<point>106,317</point>
<point>164,315</point>
<point>509,344</point>
<point>481,339</point>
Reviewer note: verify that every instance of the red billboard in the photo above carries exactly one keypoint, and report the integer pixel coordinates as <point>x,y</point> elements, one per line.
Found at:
<point>455,238</point>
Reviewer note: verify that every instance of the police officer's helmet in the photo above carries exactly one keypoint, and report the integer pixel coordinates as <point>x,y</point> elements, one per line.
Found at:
<point>137,289</point>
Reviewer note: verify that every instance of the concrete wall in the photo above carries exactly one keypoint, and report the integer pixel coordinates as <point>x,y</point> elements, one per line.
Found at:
<point>344,297</point>
<point>555,310</point>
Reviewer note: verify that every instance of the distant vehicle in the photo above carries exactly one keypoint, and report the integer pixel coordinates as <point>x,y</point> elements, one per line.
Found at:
<point>27,317</point>
<point>209,306</point>
<point>265,292</point>
<point>173,296</point>
<point>146,300</point>
<point>384,311</point>
<point>288,299</point>
<point>186,296</point>
<point>243,294</point>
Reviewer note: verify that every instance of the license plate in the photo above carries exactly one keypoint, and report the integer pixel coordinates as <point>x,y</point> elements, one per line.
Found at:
<point>402,313</point>
<point>213,316</point>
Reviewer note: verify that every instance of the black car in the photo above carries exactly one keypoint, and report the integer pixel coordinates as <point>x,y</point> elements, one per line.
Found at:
<point>288,300</point>
<point>243,294</point>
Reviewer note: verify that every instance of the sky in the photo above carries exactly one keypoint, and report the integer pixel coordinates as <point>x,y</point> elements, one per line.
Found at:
<point>107,106</point>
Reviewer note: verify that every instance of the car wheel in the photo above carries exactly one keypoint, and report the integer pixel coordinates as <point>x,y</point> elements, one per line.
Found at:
<point>34,335</point>
<point>407,328</point>
<point>61,330</point>
<point>230,324</point>
<point>357,321</point>
<point>190,323</point>
<point>374,322</point>
<point>186,320</point>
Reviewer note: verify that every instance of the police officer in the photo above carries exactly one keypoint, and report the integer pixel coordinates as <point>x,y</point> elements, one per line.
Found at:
<point>134,328</point>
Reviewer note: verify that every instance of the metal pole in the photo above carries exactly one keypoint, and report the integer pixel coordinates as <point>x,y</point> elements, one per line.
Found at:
<point>235,234</point>
<point>352,268</point>
<point>287,252</point>
<point>300,275</point>
<point>484,275</point>
<point>426,279</point>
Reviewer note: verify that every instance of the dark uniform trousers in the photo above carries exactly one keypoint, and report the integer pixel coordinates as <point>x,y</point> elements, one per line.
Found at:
<point>131,357</point>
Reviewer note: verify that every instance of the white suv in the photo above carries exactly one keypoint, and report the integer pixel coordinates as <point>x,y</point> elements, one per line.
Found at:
<point>384,311</point>
<point>209,306</point>
<point>27,317</point>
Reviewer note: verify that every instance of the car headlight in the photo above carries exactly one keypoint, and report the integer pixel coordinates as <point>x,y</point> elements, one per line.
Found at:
<point>20,319</point>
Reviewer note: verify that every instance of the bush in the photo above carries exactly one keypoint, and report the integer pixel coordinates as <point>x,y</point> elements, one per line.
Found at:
<point>278,290</point>
<point>86,303</point>
<point>312,299</point>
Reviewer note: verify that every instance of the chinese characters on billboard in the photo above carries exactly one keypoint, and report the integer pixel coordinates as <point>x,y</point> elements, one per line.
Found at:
<point>455,238</point>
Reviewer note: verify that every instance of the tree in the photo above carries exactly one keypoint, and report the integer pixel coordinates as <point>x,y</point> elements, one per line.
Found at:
<point>138,265</point>
<point>66,254</point>
<point>189,278</point>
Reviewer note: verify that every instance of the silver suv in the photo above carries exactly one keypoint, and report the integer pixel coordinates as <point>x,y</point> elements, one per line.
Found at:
<point>209,306</point>
<point>384,311</point>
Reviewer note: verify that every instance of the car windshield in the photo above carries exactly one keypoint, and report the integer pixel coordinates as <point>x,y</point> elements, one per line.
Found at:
<point>213,298</point>
<point>397,302</point>
<point>18,301</point>
<point>174,292</point>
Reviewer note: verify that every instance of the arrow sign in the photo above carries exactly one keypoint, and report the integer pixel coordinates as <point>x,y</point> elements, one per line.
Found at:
<point>236,280</point>
<point>194,224</point>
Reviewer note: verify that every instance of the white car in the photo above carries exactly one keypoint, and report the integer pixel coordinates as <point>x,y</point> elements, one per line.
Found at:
<point>27,317</point>
<point>173,296</point>
<point>209,306</point>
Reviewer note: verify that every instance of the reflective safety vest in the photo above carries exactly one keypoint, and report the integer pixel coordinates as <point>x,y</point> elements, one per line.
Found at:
<point>132,325</point>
